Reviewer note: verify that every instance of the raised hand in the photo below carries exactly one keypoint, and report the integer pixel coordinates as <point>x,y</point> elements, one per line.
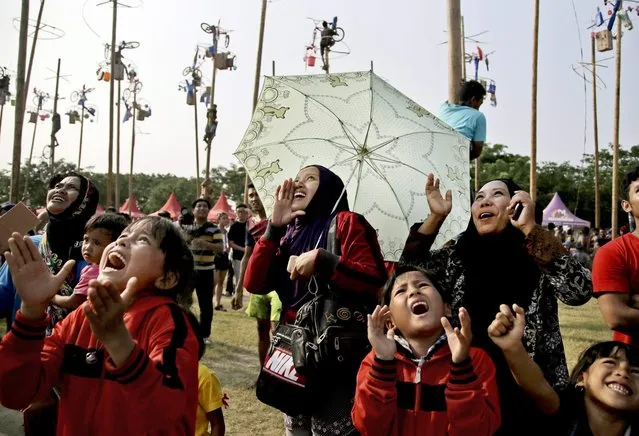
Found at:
<point>507,329</point>
<point>383,344</point>
<point>458,339</point>
<point>283,205</point>
<point>440,206</point>
<point>33,280</point>
<point>526,221</point>
<point>105,309</point>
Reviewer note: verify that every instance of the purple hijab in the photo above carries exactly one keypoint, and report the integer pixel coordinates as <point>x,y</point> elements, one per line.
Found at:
<point>304,233</point>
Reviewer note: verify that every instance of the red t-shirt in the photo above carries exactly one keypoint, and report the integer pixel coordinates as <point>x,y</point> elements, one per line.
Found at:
<point>616,269</point>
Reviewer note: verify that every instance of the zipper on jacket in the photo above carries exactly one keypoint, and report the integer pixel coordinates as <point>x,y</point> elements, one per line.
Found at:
<point>418,385</point>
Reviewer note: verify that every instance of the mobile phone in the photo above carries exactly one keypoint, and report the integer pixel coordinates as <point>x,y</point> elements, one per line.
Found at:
<point>518,210</point>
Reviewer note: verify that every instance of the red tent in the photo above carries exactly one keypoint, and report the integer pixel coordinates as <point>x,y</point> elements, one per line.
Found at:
<point>222,205</point>
<point>135,210</point>
<point>171,206</point>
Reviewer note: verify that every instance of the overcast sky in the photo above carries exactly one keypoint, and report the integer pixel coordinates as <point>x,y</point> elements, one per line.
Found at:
<point>401,37</point>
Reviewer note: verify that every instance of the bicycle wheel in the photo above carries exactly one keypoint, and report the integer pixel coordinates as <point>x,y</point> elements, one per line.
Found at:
<point>207,27</point>
<point>187,71</point>
<point>197,73</point>
<point>227,41</point>
<point>126,94</point>
<point>339,34</point>
<point>131,44</point>
<point>75,96</point>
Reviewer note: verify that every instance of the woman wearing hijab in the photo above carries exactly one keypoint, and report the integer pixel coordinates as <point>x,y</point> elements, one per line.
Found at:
<point>504,257</point>
<point>303,214</point>
<point>71,201</point>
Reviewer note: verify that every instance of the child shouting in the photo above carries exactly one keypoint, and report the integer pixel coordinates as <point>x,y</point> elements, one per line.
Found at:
<point>99,232</point>
<point>127,363</point>
<point>422,376</point>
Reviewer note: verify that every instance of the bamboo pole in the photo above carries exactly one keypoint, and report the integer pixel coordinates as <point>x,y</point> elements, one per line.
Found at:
<point>109,193</point>
<point>20,102</point>
<point>256,84</point>
<point>81,136</point>
<point>135,95</point>
<point>454,49</point>
<point>116,203</point>
<point>596,133</point>
<point>615,129</point>
<point>33,47</point>
<point>208,150</point>
<point>533,121</point>
<point>25,194</point>
<point>55,111</point>
<point>197,145</point>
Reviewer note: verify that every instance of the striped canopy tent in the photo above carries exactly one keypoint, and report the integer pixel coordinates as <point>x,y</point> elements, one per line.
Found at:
<point>222,205</point>
<point>136,213</point>
<point>557,213</point>
<point>171,206</point>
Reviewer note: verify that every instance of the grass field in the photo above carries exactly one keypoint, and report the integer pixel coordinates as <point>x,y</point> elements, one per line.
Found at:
<point>233,357</point>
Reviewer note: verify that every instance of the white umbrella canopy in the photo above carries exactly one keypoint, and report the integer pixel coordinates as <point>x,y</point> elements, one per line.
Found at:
<point>381,143</point>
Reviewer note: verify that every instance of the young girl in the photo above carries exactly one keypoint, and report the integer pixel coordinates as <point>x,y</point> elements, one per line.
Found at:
<point>602,398</point>
<point>422,376</point>
<point>303,214</point>
<point>127,361</point>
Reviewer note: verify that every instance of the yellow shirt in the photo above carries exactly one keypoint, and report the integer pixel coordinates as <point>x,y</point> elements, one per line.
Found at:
<point>209,398</point>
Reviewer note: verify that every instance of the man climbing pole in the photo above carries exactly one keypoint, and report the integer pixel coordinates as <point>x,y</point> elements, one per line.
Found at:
<point>327,41</point>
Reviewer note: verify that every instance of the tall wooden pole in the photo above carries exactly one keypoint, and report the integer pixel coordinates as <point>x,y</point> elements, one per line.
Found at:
<point>463,49</point>
<point>615,140</point>
<point>1,113</point>
<point>55,112</point>
<point>210,146</point>
<point>116,203</point>
<point>81,136</point>
<point>256,85</point>
<point>20,102</point>
<point>533,120</point>
<point>454,50</point>
<point>25,194</point>
<point>197,143</point>
<point>596,132</point>
<point>109,193</point>
<point>33,47</point>
<point>135,94</point>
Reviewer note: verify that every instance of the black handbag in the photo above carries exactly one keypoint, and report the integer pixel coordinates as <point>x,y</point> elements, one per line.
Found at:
<point>321,350</point>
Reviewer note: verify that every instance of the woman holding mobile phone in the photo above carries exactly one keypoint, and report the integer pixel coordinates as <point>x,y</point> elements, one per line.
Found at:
<point>504,257</point>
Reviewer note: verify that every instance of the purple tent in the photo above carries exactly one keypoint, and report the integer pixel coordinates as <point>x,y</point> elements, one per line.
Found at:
<point>557,213</point>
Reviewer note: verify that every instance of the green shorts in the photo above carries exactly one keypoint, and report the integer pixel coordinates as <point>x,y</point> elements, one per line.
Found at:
<point>265,307</point>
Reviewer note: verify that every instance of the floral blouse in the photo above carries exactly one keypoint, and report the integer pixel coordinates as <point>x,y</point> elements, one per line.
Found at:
<point>562,277</point>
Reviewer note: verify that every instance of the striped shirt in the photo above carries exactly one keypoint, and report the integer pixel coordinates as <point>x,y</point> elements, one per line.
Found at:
<point>207,232</point>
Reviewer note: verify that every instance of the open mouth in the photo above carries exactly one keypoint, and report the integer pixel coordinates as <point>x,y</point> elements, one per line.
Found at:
<point>299,194</point>
<point>57,198</point>
<point>620,389</point>
<point>115,262</point>
<point>419,308</point>
<point>486,215</point>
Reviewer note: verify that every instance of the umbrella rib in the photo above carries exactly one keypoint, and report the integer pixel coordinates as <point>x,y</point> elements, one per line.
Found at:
<point>370,117</point>
<point>335,143</point>
<point>420,132</point>
<point>320,104</point>
<point>399,162</point>
<point>379,172</point>
<point>359,179</point>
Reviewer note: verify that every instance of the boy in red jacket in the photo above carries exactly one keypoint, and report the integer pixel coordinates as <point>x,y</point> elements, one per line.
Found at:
<point>126,361</point>
<point>422,376</point>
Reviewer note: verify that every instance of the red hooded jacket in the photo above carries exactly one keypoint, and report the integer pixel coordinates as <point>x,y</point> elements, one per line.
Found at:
<point>155,392</point>
<point>432,395</point>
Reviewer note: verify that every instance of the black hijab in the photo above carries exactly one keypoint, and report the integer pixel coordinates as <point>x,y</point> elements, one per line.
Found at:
<point>499,270</point>
<point>65,230</point>
<point>310,230</point>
